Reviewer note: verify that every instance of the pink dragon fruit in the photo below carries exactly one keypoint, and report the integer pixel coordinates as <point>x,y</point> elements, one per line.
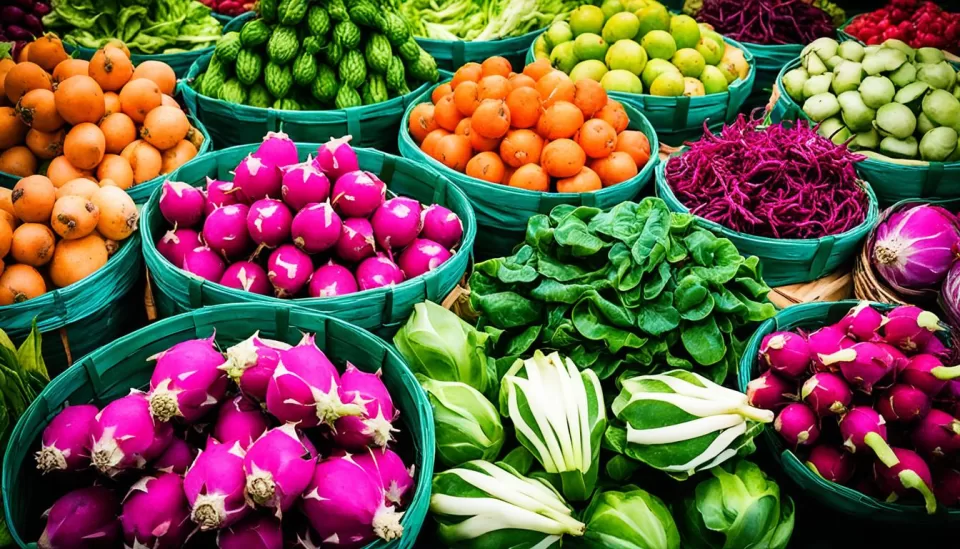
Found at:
<point>256,178</point>
<point>378,271</point>
<point>947,487</point>
<point>214,486</point>
<point>304,184</point>
<point>384,465</point>
<point>826,393</point>
<point>797,425</point>
<point>82,519</point>
<point>346,506</point>
<point>936,435</point>
<point>268,222</point>
<point>915,247</point>
<point>278,469</point>
<point>422,256</point>
<point>255,532</point>
<point>910,327</point>
<point>65,439</point>
<point>336,157</point>
<point>375,427</point>
<point>155,513</point>
<point>176,458</point>
<point>862,430</point>
<point>187,381</point>
<point>300,535</point>
<point>909,473</point>
<point>288,269</point>
<point>826,341</point>
<point>397,222</point>
<point>831,463</point>
<point>247,276</point>
<point>219,194</point>
<point>250,364</point>
<point>305,386</point>
<point>316,228</point>
<point>181,204</point>
<point>225,231</point>
<point>786,353</point>
<point>331,280</point>
<point>927,373</point>
<point>863,365</point>
<point>358,193</point>
<point>278,149</point>
<point>124,435</point>
<point>903,403</point>
<point>441,226</point>
<point>175,243</point>
<point>770,391</point>
<point>863,322</point>
<point>356,240</point>
<point>239,420</point>
<point>204,263</point>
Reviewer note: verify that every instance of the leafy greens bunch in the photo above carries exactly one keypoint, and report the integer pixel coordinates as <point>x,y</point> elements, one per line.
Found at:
<point>145,26</point>
<point>633,288</point>
<point>475,21</point>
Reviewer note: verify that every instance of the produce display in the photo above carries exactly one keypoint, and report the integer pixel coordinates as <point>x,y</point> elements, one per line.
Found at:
<point>319,228</point>
<point>145,26</point>
<point>534,130</point>
<point>232,8</point>
<point>232,466</point>
<point>102,120</point>
<point>482,21</point>
<point>777,181</point>
<point>770,23</point>
<point>635,288</point>
<point>867,402</point>
<point>298,56</point>
<point>889,101</point>
<point>919,24</point>
<point>648,51</point>
<point>26,374</point>
<point>21,22</point>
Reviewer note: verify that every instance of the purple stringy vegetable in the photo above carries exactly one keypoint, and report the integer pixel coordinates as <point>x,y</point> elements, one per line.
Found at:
<point>779,182</point>
<point>764,22</point>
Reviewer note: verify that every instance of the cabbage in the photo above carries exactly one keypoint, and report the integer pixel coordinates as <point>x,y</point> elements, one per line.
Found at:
<point>628,519</point>
<point>468,426</point>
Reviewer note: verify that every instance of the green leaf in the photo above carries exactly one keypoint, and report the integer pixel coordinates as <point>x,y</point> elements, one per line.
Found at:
<point>658,317</point>
<point>589,322</point>
<point>620,468</point>
<point>524,340</point>
<point>508,309</point>
<point>704,341</point>
<point>30,354</point>
<point>656,282</point>
<point>5,341</point>
<point>553,291</point>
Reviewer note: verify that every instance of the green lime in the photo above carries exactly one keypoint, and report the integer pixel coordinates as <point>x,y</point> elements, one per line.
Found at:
<point>654,68</point>
<point>713,80</point>
<point>689,61</point>
<point>626,55</point>
<point>589,46</point>
<point>621,26</point>
<point>685,31</point>
<point>692,87</point>
<point>711,52</point>
<point>563,57</point>
<point>558,33</point>
<point>621,81</point>
<point>668,84</point>
<point>713,35</point>
<point>586,19</point>
<point>590,69</point>
<point>611,7</point>
<point>634,5</point>
<point>653,17</point>
<point>659,44</point>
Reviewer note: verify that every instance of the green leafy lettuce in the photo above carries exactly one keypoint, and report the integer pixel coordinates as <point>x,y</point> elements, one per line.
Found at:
<point>636,287</point>
<point>482,20</point>
<point>146,26</point>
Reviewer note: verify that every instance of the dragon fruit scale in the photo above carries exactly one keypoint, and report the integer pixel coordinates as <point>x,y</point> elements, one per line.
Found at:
<point>64,442</point>
<point>375,427</point>
<point>250,364</point>
<point>125,435</point>
<point>155,513</point>
<point>278,468</point>
<point>214,486</point>
<point>187,381</point>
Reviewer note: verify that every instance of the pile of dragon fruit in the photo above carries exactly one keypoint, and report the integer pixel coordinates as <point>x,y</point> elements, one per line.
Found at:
<point>318,228</point>
<point>264,448</point>
<point>868,402</point>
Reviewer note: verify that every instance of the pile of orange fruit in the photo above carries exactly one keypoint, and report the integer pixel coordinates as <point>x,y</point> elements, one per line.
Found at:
<point>536,130</point>
<point>104,120</point>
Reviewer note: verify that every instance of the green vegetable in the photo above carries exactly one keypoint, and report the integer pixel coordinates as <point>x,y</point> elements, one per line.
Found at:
<point>367,14</point>
<point>479,21</point>
<point>233,91</point>
<point>254,33</point>
<point>634,287</point>
<point>337,10</point>
<point>249,66</point>
<point>304,69</point>
<point>347,35</point>
<point>484,505</point>
<point>682,423</point>
<point>313,44</point>
<point>214,78</point>
<point>145,26</point>
<point>268,9</point>
<point>395,28</point>
<point>278,78</point>
<point>437,344</point>
<point>468,426</point>
<point>290,12</point>
<point>324,88</point>
<point>378,53</point>
<point>333,53</point>
<point>628,519</point>
<point>374,90</point>
<point>259,96</point>
<point>559,416</point>
<point>283,45</point>
<point>424,68</point>
<point>286,104</point>
<point>397,76</point>
<point>318,21</point>
<point>738,507</point>
<point>347,98</point>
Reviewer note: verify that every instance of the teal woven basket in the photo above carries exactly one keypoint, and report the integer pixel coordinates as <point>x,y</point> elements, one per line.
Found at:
<point>80,318</point>
<point>832,496</point>
<point>453,54</point>
<point>892,180</point>
<point>769,59</point>
<point>502,212</point>
<point>139,193</point>
<point>680,119</point>
<point>786,261</point>
<point>111,371</point>
<point>382,310</point>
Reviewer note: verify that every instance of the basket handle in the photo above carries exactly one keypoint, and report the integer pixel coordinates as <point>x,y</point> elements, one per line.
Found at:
<point>931,181</point>
<point>821,256</point>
